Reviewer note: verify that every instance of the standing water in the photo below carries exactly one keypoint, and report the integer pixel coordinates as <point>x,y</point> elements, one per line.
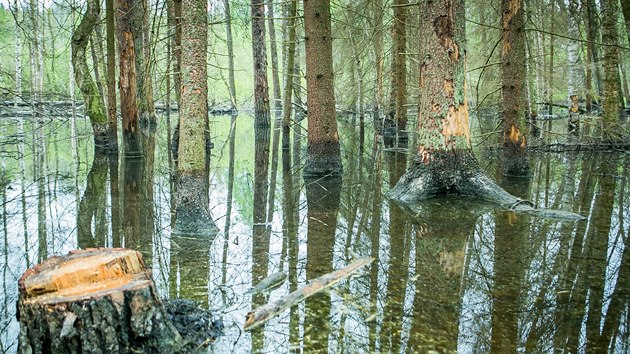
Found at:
<point>451,275</point>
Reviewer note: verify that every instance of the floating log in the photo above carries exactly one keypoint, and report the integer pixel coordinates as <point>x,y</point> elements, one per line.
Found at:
<point>266,312</point>
<point>94,300</point>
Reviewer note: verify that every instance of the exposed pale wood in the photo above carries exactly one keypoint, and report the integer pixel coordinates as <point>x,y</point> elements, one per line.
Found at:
<point>266,312</point>
<point>84,271</point>
<point>94,300</point>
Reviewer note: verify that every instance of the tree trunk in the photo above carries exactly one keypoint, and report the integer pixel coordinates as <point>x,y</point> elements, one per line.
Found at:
<point>398,105</point>
<point>139,12</point>
<point>94,106</point>
<point>111,75</point>
<point>593,36</point>
<point>575,68</point>
<point>18,54</point>
<point>551,65</point>
<point>230,49</point>
<point>377,13</point>
<point>261,86</point>
<point>192,199</point>
<point>513,79</point>
<point>624,81</point>
<point>127,81</point>
<point>94,300</point>
<point>275,79</point>
<point>96,46</point>
<point>323,156</point>
<point>610,114</point>
<point>177,52</point>
<point>34,52</point>
<point>588,79</point>
<point>290,76</point>
<point>625,9</point>
<point>444,162</point>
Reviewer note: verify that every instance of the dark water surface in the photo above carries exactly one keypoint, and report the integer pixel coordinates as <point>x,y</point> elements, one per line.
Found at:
<point>451,276</point>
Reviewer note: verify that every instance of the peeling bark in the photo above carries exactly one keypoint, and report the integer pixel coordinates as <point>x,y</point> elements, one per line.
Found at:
<point>127,78</point>
<point>514,100</point>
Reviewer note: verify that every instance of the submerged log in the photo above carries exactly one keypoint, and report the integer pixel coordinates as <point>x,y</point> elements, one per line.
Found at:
<point>94,300</point>
<point>266,312</point>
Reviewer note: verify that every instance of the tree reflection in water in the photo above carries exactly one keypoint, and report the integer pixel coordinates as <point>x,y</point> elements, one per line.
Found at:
<point>450,275</point>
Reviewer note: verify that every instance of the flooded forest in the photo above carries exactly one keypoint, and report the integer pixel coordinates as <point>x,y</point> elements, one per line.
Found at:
<point>472,154</point>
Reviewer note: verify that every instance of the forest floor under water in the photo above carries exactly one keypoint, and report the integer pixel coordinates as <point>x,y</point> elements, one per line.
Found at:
<point>454,275</point>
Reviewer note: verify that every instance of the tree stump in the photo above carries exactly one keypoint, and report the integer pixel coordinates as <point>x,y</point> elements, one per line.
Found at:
<point>93,300</point>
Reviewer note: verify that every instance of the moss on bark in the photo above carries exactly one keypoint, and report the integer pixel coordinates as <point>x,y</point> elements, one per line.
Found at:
<point>94,104</point>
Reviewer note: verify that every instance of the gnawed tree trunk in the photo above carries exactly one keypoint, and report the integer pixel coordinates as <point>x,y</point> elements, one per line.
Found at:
<point>323,156</point>
<point>94,105</point>
<point>127,81</point>
<point>514,99</point>
<point>574,115</point>
<point>94,300</point>
<point>444,162</point>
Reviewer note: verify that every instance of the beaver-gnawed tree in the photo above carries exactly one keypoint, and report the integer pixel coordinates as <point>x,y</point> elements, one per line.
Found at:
<point>444,162</point>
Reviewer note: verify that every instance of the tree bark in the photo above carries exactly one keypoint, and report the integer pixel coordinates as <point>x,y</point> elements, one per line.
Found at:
<point>593,36</point>
<point>230,49</point>
<point>111,75</point>
<point>94,105</point>
<point>323,155</point>
<point>444,162</point>
<point>625,9</point>
<point>139,12</point>
<point>177,51</point>
<point>275,71</point>
<point>94,300</point>
<point>398,105</point>
<point>127,81</point>
<point>513,79</point>
<point>261,86</point>
<point>18,54</point>
<point>192,196</point>
<point>610,114</point>
<point>377,13</point>
<point>575,72</point>
<point>289,77</point>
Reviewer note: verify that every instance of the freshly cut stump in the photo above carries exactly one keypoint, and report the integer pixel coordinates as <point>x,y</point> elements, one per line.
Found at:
<point>93,301</point>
